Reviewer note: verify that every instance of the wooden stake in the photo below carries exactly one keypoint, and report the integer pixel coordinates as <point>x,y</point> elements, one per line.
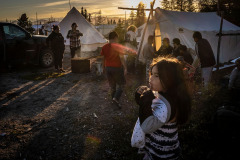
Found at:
<point>145,28</point>
<point>219,40</point>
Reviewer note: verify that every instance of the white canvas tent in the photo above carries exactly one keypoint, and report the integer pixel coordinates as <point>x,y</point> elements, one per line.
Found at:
<point>91,38</point>
<point>105,29</point>
<point>174,24</point>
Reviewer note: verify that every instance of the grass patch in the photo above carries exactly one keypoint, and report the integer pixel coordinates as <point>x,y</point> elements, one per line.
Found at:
<point>195,136</point>
<point>42,76</point>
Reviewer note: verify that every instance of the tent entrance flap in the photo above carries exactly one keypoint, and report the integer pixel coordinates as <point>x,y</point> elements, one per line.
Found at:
<point>158,39</point>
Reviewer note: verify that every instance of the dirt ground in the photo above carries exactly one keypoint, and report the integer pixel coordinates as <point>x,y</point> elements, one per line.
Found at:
<point>48,115</point>
<point>68,116</point>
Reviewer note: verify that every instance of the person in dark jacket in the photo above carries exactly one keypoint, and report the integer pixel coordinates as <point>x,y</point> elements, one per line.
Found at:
<point>56,42</point>
<point>41,30</point>
<point>165,49</point>
<point>185,54</point>
<point>176,47</point>
<point>234,82</point>
<point>206,56</point>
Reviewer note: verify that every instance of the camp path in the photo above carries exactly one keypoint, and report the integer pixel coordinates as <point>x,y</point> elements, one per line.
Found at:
<point>69,116</point>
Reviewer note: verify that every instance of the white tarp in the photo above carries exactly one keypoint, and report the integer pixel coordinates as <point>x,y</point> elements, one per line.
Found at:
<point>139,34</point>
<point>174,24</point>
<point>105,29</point>
<point>91,38</point>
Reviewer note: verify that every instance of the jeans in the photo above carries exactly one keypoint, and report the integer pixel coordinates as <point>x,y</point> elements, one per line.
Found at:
<point>206,75</point>
<point>58,59</point>
<point>116,80</point>
<point>73,51</point>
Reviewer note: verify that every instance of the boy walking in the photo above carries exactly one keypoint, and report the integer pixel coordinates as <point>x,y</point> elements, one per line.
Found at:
<point>115,67</point>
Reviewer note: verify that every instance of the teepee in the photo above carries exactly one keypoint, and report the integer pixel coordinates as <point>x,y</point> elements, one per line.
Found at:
<point>91,38</point>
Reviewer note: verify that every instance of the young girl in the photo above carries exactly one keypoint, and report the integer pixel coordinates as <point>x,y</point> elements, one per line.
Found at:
<point>163,106</point>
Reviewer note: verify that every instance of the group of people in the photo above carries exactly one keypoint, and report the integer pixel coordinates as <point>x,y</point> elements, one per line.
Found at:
<point>166,103</point>
<point>55,41</point>
<point>202,56</point>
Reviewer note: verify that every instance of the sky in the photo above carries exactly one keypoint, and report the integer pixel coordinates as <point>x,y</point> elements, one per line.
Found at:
<point>12,9</point>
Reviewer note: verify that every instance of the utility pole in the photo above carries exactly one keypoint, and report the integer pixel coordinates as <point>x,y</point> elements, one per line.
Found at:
<point>218,7</point>
<point>145,28</point>
<point>125,20</point>
<point>70,4</point>
<point>219,40</point>
<point>220,13</point>
<point>37,22</point>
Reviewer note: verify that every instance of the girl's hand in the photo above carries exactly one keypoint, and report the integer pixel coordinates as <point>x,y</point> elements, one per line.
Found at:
<point>141,89</point>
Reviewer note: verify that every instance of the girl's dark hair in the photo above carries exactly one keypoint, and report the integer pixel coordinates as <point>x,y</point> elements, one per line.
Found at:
<point>170,72</point>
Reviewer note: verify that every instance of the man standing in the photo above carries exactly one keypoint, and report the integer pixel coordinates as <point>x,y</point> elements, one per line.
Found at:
<point>234,82</point>
<point>206,56</point>
<point>165,49</point>
<point>115,67</point>
<point>41,30</point>
<point>148,53</point>
<point>56,42</point>
<point>74,36</point>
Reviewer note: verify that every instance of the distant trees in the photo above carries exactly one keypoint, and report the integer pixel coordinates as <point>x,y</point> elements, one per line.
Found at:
<point>231,8</point>
<point>141,15</point>
<point>138,17</point>
<point>178,5</point>
<point>25,23</point>
<point>120,30</point>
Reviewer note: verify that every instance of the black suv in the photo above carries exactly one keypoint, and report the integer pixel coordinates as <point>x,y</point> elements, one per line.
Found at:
<point>17,46</point>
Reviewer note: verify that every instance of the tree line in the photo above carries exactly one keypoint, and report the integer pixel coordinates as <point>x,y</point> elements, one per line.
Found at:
<point>231,8</point>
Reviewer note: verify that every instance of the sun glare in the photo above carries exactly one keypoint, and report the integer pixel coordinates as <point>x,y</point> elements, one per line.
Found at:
<point>134,3</point>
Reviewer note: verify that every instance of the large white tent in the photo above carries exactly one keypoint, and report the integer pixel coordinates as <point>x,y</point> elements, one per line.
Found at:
<point>91,38</point>
<point>174,24</point>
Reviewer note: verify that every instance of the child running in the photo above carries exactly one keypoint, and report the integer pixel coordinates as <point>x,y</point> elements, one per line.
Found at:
<point>163,106</point>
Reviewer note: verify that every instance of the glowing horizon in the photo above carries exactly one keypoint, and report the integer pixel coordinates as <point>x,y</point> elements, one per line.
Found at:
<point>59,8</point>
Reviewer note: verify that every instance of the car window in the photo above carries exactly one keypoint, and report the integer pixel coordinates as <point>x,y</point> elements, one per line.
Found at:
<point>12,32</point>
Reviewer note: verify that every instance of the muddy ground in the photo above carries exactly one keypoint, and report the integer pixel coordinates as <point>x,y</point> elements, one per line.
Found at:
<point>65,116</point>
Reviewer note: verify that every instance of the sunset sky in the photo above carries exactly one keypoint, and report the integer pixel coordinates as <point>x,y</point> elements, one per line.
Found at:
<point>12,9</point>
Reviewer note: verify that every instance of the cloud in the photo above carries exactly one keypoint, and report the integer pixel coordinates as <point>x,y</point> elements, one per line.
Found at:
<point>55,3</point>
<point>77,2</point>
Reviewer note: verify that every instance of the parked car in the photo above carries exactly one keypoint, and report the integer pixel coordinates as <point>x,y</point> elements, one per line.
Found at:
<point>17,46</point>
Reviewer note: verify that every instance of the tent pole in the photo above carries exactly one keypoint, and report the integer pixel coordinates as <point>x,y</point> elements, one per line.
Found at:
<point>144,31</point>
<point>37,24</point>
<point>218,7</point>
<point>219,40</point>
